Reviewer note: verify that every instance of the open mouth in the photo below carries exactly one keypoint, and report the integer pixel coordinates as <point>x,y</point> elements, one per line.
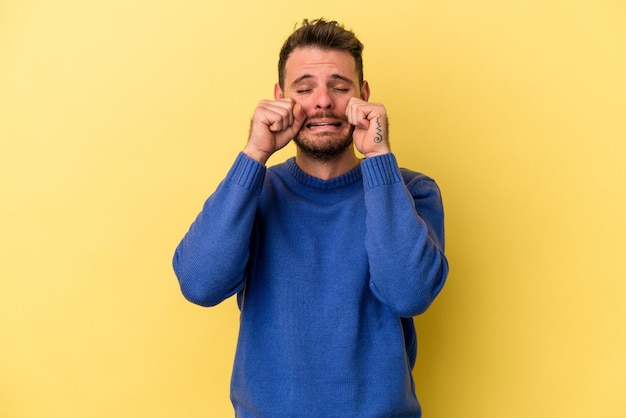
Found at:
<point>319,124</point>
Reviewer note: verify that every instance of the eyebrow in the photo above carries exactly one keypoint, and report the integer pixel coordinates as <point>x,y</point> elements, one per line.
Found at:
<point>333,76</point>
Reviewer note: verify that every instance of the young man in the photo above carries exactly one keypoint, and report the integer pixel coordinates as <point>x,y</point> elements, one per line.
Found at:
<point>330,255</point>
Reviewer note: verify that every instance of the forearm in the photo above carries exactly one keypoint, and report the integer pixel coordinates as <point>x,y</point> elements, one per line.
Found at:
<point>405,250</point>
<point>210,261</point>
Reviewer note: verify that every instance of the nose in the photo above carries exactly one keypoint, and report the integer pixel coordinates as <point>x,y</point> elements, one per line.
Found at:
<point>323,100</point>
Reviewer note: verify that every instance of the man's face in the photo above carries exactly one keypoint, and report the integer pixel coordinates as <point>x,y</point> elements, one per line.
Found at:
<point>322,81</point>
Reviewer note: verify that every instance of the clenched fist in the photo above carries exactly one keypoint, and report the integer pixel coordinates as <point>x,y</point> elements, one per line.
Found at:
<point>274,124</point>
<point>370,127</point>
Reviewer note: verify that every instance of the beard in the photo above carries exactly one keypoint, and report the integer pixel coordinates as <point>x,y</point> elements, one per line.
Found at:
<point>324,146</point>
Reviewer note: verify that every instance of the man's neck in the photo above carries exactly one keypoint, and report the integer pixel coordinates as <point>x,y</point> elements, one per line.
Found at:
<point>326,170</point>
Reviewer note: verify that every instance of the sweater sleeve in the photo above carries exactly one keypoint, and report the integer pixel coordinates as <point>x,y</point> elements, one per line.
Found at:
<point>210,261</point>
<point>405,236</point>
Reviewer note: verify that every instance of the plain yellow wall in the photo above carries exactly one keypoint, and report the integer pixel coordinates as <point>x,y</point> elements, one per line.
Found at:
<point>118,118</point>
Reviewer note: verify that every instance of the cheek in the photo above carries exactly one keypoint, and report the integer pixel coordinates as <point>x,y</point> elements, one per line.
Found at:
<point>341,108</point>
<point>342,104</point>
<point>308,108</point>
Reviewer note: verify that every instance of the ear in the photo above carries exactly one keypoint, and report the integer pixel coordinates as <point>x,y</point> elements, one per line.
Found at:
<point>365,91</point>
<point>278,92</point>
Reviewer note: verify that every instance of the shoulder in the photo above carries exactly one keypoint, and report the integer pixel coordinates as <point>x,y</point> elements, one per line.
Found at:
<point>282,168</point>
<point>419,184</point>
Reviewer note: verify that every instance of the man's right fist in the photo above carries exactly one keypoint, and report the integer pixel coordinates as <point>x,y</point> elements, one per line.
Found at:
<point>274,124</point>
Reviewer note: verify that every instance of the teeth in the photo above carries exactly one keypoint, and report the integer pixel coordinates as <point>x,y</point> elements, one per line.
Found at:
<point>310,125</point>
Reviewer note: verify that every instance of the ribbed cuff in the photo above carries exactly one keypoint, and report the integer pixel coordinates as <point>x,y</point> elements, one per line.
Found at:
<point>380,170</point>
<point>246,172</point>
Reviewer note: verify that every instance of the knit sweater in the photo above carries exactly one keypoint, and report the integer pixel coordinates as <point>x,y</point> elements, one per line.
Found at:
<point>328,274</point>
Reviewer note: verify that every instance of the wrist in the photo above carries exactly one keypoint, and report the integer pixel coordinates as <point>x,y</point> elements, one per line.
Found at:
<point>257,155</point>
<point>376,153</point>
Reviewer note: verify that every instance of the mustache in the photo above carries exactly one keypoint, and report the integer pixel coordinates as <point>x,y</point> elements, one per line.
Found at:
<point>326,115</point>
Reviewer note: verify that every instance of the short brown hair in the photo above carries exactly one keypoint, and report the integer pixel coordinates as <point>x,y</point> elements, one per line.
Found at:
<point>325,35</point>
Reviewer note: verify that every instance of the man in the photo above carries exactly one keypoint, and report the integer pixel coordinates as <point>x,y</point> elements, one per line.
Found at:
<point>330,255</point>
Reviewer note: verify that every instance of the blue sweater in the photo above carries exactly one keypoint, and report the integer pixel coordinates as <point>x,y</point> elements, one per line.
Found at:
<point>328,274</point>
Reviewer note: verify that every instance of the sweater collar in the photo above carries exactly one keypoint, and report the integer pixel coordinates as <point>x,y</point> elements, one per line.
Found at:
<point>307,180</point>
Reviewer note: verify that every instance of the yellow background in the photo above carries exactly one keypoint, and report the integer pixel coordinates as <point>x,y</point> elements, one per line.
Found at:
<point>118,118</point>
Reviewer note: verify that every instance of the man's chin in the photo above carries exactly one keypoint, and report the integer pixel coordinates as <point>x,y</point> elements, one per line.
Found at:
<point>323,149</point>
